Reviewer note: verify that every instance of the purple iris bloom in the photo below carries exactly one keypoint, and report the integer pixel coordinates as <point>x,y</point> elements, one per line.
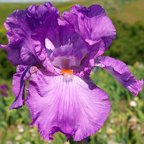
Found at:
<point>56,55</point>
<point>3,90</point>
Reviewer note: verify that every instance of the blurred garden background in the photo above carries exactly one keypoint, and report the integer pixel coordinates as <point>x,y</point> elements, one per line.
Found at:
<point>125,124</point>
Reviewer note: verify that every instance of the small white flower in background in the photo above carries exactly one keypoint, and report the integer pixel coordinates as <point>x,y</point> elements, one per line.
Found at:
<point>133,103</point>
<point>20,128</point>
<point>18,137</point>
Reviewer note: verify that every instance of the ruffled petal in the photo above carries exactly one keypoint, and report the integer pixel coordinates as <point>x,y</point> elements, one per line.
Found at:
<point>66,104</point>
<point>18,86</point>
<point>121,72</point>
<point>42,15</point>
<point>21,25</point>
<point>43,58</point>
<point>92,24</point>
<point>20,44</point>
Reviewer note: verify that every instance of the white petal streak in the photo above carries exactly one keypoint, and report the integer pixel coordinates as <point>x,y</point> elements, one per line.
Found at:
<point>49,45</point>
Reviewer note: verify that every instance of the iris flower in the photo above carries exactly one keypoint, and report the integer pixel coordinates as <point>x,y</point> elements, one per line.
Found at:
<point>56,55</point>
<point>4,90</point>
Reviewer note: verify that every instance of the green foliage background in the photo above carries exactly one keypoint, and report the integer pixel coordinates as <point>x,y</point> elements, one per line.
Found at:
<point>125,123</point>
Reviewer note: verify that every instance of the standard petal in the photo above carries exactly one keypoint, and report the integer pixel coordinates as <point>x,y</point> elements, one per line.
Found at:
<point>65,47</point>
<point>19,41</point>
<point>18,86</point>
<point>21,25</point>
<point>92,24</point>
<point>45,14</point>
<point>66,104</point>
<point>121,72</point>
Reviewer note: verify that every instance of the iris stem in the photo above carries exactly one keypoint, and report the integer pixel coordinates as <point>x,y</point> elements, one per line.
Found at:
<point>72,142</point>
<point>85,141</point>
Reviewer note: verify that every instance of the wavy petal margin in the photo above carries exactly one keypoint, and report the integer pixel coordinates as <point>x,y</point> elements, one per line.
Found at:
<point>92,24</point>
<point>121,72</point>
<point>21,25</point>
<point>67,105</point>
<point>18,86</point>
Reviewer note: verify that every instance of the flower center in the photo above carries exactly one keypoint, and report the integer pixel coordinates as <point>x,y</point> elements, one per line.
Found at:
<point>67,72</point>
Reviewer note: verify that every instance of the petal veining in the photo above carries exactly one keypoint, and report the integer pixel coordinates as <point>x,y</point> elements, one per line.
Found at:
<point>70,107</point>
